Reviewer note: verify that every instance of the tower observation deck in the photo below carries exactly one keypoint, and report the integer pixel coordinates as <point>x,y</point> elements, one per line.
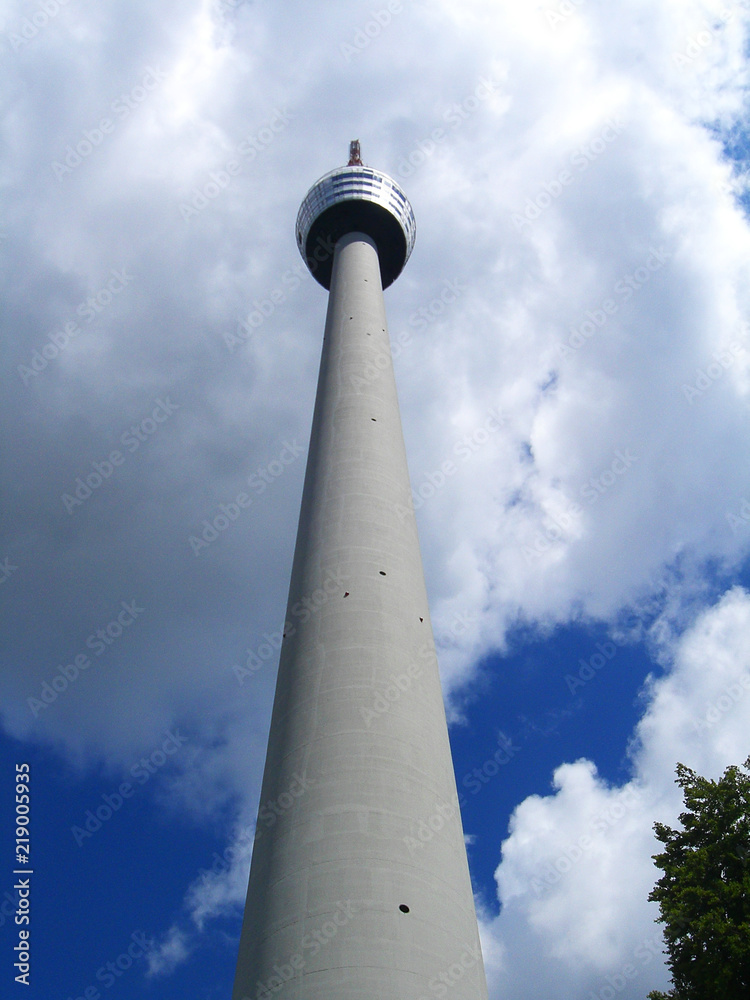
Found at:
<point>359,885</point>
<point>351,199</point>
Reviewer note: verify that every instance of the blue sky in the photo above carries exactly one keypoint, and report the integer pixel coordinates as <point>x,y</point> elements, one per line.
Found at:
<point>572,350</point>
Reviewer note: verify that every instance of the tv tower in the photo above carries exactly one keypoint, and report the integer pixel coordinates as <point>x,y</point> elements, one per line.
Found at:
<point>359,885</point>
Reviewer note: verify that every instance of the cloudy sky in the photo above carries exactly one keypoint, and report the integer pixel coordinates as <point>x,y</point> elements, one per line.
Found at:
<point>572,349</point>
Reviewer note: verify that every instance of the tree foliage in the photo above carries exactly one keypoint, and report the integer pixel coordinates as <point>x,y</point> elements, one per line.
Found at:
<point>704,893</point>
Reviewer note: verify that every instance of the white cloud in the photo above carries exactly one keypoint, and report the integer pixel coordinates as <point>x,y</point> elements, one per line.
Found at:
<point>217,891</point>
<point>576,868</point>
<point>166,956</point>
<point>519,529</point>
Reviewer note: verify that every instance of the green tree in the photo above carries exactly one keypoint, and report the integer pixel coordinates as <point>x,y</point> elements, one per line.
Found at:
<point>704,893</point>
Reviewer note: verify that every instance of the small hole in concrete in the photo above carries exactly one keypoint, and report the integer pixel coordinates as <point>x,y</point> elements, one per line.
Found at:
<point>373,420</point>
<point>346,594</point>
<point>404,908</point>
<point>421,618</point>
<point>382,572</point>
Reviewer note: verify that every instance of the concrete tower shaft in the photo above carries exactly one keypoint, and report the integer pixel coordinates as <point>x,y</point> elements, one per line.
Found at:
<point>359,887</point>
